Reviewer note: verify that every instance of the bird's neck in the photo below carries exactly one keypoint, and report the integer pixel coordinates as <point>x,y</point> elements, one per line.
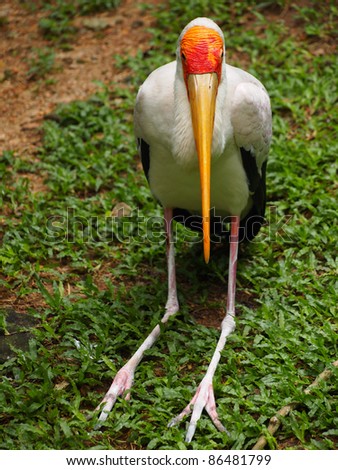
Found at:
<point>183,142</point>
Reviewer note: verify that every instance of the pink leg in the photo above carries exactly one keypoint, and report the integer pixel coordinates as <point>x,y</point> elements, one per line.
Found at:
<point>125,376</point>
<point>172,302</point>
<point>204,396</point>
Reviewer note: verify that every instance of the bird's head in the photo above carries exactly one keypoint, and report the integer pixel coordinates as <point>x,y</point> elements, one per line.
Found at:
<point>201,54</point>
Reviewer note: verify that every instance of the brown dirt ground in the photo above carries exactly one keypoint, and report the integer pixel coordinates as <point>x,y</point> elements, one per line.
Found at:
<point>25,102</point>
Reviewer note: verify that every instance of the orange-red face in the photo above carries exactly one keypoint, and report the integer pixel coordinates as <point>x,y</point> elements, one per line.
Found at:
<point>201,51</point>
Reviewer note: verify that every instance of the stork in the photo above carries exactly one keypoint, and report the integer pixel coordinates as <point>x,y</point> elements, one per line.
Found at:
<point>203,130</point>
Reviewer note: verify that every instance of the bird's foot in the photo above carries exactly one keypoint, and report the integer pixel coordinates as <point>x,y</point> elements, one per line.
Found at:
<point>203,398</point>
<point>121,384</point>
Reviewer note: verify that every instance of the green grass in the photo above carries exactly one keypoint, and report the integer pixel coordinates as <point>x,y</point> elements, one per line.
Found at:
<point>102,281</point>
<point>41,63</point>
<point>57,24</point>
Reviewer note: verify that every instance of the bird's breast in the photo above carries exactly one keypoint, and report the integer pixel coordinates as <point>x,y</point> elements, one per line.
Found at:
<point>175,185</point>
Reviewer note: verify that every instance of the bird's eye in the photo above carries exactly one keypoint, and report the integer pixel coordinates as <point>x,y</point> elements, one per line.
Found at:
<point>183,57</point>
<point>222,54</point>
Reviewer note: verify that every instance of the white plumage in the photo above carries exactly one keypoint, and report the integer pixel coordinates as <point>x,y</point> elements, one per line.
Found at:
<point>177,156</point>
<point>242,119</point>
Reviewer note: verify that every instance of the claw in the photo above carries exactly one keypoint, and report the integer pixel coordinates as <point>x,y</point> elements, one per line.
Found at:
<point>203,398</point>
<point>187,410</point>
<point>122,382</point>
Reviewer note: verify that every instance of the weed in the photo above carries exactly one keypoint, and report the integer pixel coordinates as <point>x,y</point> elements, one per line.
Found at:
<point>101,281</point>
<point>41,62</point>
<point>57,25</point>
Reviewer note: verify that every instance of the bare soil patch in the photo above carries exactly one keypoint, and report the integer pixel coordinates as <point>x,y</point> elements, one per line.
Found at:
<point>24,102</point>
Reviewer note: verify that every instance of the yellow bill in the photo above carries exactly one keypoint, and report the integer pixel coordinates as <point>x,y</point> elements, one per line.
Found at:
<point>202,90</point>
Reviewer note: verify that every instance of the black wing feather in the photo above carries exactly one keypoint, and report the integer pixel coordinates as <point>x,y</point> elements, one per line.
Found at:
<point>144,151</point>
<point>251,170</point>
<point>253,221</point>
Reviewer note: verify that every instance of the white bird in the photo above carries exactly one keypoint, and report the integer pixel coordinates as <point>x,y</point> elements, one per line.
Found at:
<point>203,129</point>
